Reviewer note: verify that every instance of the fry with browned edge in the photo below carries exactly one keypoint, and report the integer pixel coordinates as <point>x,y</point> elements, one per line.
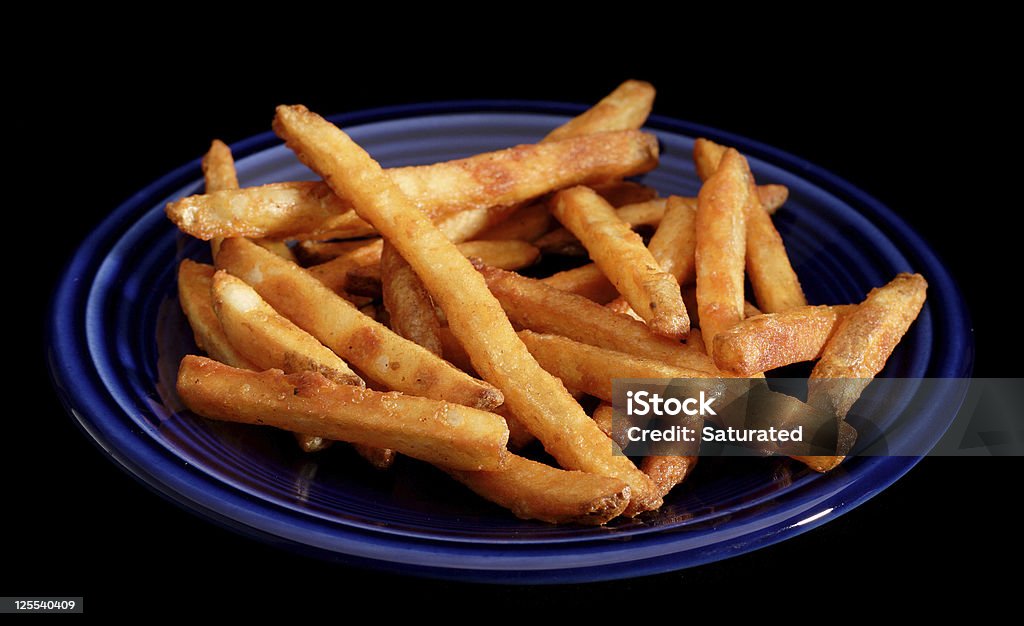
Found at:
<point>438,432</point>
<point>409,306</point>
<point>623,258</point>
<point>532,490</point>
<point>708,154</point>
<point>626,107</point>
<point>377,351</point>
<point>764,342</point>
<point>721,246</point>
<point>476,319</point>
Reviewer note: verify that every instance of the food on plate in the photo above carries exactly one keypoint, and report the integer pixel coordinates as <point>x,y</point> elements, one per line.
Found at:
<point>404,310</point>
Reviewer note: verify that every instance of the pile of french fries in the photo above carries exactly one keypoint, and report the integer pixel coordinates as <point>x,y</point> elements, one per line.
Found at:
<point>382,307</point>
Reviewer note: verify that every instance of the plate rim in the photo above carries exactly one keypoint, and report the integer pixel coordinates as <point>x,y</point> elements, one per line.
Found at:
<point>90,254</point>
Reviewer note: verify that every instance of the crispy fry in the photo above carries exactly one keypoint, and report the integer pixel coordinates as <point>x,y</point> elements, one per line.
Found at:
<point>533,490</point>
<point>668,471</point>
<point>219,174</point>
<point>409,306</point>
<point>764,342</point>
<point>537,306</point>
<point>863,341</point>
<point>603,415</point>
<point>195,284</point>
<point>721,246</point>
<point>267,339</point>
<point>590,369</point>
<point>623,258</point>
<point>437,432</point>
<point>525,224</point>
<point>537,398</point>
<point>626,107</point>
<point>379,353</point>
<point>302,210</point>
<point>708,154</point>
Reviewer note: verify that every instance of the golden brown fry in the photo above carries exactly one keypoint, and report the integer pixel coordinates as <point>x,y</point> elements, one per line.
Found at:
<point>764,342</point>
<point>721,246</point>
<point>437,432</point>
<point>195,282</point>
<point>616,431</point>
<point>303,210</point>
<point>537,398</point>
<point>409,306</point>
<point>537,306</point>
<point>525,224</point>
<point>532,490</point>
<point>379,353</point>
<point>465,225</point>
<point>267,339</point>
<point>863,341</point>
<point>590,369</point>
<point>219,174</point>
<point>668,471</point>
<point>317,252</point>
<point>708,154</point>
<point>334,273</point>
<point>623,258</point>
<point>626,107</point>
<point>587,281</point>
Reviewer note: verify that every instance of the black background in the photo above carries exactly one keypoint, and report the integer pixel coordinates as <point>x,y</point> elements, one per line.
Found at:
<point>919,122</point>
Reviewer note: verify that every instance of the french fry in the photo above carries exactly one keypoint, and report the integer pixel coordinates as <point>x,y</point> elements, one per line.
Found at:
<point>776,286</point>
<point>317,252</point>
<point>765,342</point>
<point>862,342</point>
<point>623,258</point>
<point>219,174</point>
<point>620,193</point>
<point>476,319</point>
<point>603,417</point>
<point>532,490</point>
<point>525,224</point>
<point>707,155</point>
<point>626,107</point>
<point>465,225</point>
<point>409,306</point>
<point>590,369</point>
<point>267,339</point>
<point>304,210</point>
<point>721,246</point>
<point>430,430</point>
<point>195,284</point>
<point>537,306</point>
<point>667,472</point>
<point>379,353</point>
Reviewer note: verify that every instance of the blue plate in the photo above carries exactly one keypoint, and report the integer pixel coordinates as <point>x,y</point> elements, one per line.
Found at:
<point>116,336</point>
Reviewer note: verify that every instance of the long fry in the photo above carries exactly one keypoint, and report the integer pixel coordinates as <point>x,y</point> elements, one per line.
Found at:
<point>764,342</point>
<point>626,107</point>
<point>533,490</point>
<point>474,316</point>
<point>506,177</point>
<point>379,353</point>
<point>437,432</point>
<point>195,284</point>
<point>623,258</point>
<point>525,224</point>
<point>219,174</point>
<point>707,155</point>
<point>537,306</point>
<point>590,369</point>
<point>721,246</point>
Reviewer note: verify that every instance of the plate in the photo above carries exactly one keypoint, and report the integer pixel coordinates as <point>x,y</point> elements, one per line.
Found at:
<point>116,335</point>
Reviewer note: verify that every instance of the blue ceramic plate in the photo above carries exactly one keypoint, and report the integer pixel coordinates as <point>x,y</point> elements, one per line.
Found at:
<point>117,334</point>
